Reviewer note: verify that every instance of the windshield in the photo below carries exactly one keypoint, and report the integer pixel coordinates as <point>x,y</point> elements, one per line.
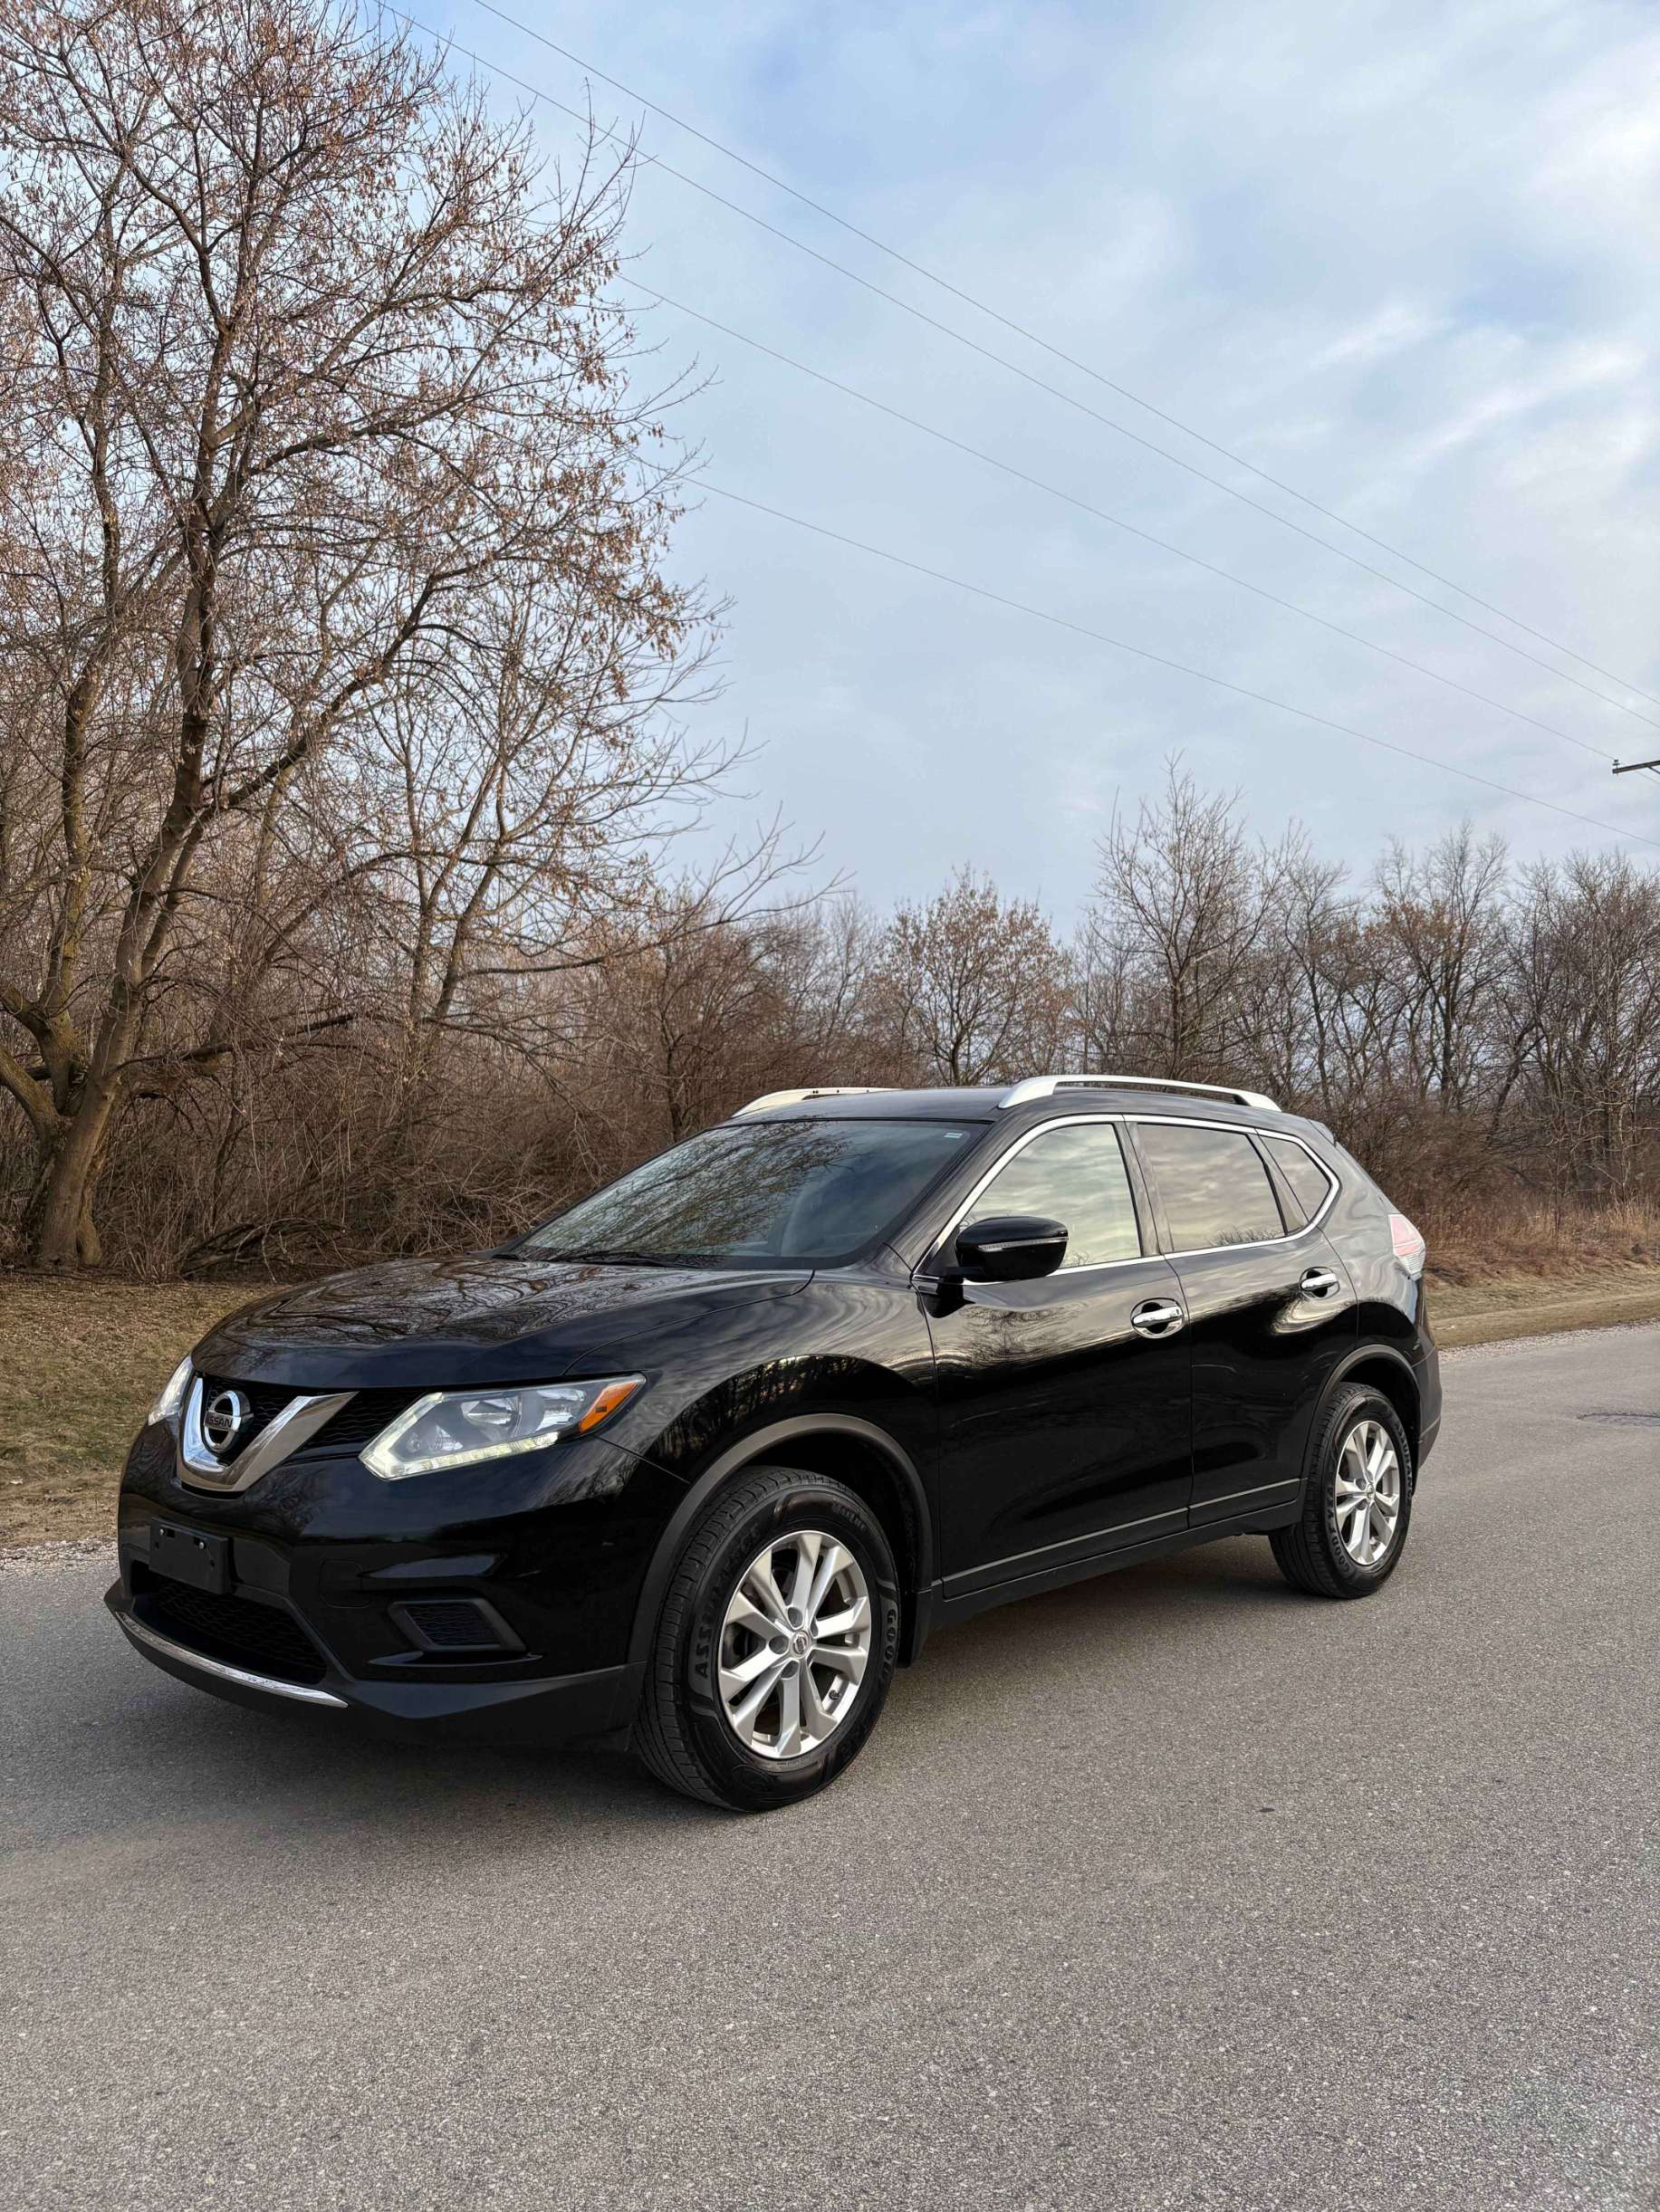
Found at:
<point>810,1191</point>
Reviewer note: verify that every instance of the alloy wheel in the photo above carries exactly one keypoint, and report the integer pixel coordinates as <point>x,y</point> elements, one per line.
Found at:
<point>794,1644</point>
<point>1366,1493</point>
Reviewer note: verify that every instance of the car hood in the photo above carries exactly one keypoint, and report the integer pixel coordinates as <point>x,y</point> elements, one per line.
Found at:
<point>483,1318</point>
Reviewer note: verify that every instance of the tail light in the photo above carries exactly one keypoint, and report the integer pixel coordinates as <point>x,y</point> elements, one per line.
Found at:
<point>1409,1246</point>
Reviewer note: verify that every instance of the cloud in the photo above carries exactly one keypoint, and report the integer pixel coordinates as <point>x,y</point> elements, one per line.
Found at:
<point>1401,256</point>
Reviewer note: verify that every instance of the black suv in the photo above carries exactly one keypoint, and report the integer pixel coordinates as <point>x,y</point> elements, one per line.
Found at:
<point>695,1465</point>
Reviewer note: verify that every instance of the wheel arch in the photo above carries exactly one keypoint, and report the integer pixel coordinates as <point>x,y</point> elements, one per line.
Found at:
<point>1392,1377</point>
<point>855,1452</point>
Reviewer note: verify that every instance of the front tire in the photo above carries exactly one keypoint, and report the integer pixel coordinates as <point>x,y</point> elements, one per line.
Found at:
<point>1358,1505</point>
<point>775,1646</point>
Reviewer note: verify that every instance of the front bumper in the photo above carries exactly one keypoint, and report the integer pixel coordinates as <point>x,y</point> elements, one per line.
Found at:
<point>539,1709</point>
<point>330,1581</point>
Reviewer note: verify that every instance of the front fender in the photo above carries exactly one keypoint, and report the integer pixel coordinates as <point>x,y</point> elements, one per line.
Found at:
<point>708,1445</point>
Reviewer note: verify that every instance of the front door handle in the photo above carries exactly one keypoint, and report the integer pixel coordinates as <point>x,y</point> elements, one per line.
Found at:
<point>1157,1317</point>
<point>1320,1283</point>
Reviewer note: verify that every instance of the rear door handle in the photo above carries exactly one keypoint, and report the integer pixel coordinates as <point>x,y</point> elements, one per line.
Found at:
<point>1157,1317</point>
<point>1320,1283</point>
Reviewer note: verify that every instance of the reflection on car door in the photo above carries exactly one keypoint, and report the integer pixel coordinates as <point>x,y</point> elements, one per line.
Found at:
<point>1270,1314</point>
<point>1064,1428</point>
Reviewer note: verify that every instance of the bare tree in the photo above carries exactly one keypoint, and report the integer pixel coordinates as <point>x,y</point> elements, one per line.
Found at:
<point>1182,912</point>
<point>306,363</point>
<point>1441,918</point>
<point>973,987</point>
<point>1582,996</point>
<point>1103,1012</point>
<point>1300,1021</point>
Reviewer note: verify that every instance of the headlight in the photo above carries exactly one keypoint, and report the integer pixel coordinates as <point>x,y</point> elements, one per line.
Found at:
<point>172,1398</point>
<point>457,1427</point>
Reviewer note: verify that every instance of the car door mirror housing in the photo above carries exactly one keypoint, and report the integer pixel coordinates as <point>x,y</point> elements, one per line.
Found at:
<point>1010,1248</point>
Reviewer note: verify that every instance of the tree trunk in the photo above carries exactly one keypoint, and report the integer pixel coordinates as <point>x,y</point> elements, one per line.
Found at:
<point>62,1233</point>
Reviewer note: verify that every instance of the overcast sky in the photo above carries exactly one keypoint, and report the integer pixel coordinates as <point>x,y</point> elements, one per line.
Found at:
<point>1400,256</point>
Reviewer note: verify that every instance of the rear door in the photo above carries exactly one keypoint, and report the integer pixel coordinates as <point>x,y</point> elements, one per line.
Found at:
<point>1270,1309</point>
<point>1064,1415</point>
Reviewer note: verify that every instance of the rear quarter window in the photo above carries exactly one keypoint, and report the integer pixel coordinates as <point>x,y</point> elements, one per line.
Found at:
<point>1309,1182</point>
<point>1212,1185</point>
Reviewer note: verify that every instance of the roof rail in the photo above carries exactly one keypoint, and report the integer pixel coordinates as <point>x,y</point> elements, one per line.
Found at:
<point>1045,1087</point>
<point>817,1090</point>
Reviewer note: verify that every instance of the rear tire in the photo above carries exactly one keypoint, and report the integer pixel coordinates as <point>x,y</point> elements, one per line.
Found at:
<point>1357,1507</point>
<point>775,1646</point>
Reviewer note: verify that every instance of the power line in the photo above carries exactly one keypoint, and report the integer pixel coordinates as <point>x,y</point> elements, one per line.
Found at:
<point>1032,338</point>
<point>1102,514</point>
<point>1040,613</point>
<point>1162,660</point>
<point>1014,368</point>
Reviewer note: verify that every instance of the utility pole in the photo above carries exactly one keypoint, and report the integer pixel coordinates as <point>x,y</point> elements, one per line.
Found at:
<point>1630,768</point>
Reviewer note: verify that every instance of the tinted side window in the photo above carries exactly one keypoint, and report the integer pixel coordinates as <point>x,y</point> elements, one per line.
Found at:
<point>1215,1187</point>
<point>1075,1175</point>
<point>1309,1181</point>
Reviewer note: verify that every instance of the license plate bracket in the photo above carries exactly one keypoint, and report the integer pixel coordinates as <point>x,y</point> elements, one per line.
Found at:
<point>190,1555</point>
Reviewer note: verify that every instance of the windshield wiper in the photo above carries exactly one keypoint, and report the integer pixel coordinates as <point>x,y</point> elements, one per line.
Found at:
<point>621,1255</point>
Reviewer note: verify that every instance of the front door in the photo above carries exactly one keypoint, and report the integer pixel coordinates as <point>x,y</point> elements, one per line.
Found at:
<point>1270,1312</point>
<point>1063,1403</point>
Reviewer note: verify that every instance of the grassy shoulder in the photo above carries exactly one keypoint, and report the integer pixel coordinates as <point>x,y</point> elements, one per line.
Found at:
<point>1507,1306</point>
<point>80,1361</point>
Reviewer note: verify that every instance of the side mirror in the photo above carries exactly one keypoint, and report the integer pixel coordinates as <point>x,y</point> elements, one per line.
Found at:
<point>1010,1248</point>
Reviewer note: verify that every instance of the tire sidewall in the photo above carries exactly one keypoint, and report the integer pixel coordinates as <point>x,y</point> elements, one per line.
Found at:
<point>1356,1405</point>
<point>743,1778</point>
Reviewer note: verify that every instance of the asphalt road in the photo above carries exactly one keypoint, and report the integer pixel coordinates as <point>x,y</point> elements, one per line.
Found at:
<point>1173,1889</point>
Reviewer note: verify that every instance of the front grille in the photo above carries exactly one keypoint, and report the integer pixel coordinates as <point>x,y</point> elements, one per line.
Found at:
<point>234,1629</point>
<point>266,1402</point>
<point>363,1416</point>
<point>450,1624</point>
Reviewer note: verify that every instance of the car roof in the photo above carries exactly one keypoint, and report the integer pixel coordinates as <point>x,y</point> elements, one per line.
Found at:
<point>985,1105</point>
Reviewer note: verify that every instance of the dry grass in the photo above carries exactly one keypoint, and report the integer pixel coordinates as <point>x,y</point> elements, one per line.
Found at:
<point>1500,1307</point>
<point>1496,1244</point>
<point>80,1362</point>
<point>1534,1270</point>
